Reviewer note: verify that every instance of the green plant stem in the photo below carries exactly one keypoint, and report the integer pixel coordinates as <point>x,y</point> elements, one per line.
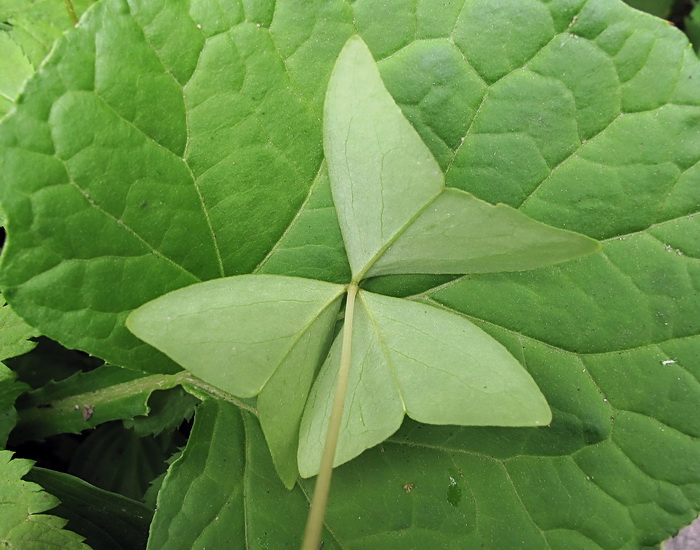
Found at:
<point>314,524</point>
<point>71,11</point>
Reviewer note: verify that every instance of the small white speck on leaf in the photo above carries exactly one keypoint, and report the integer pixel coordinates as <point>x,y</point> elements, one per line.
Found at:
<point>668,362</point>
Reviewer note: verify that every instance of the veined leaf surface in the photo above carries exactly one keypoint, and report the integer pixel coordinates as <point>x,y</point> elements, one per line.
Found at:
<point>583,118</point>
<point>417,360</point>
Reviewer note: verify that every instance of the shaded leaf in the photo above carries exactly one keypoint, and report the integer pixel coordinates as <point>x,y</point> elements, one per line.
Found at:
<point>226,465</point>
<point>85,400</point>
<point>107,520</point>
<point>117,460</point>
<point>659,8</point>
<point>22,525</point>
<point>14,340</point>
<point>10,389</point>
<point>167,409</point>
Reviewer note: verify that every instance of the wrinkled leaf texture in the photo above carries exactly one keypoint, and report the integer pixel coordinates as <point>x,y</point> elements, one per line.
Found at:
<point>168,142</point>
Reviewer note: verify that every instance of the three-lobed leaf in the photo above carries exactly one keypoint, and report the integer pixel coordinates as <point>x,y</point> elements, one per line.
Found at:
<point>583,119</point>
<point>265,335</point>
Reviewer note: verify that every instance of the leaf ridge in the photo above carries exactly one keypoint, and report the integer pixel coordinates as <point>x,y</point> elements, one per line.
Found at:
<point>121,224</point>
<point>326,526</point>
<point>304,330</point>
<point>645,231</point>
<point>290,227</point>
<point>195,184</point>
<point>150,46</point>
<point>384,348</point>
<point>519,498</point>
<point>392,240</point>
<point>488,84</point>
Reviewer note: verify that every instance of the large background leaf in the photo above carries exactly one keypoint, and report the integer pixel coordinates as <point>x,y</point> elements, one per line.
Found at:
<point>163,144</point>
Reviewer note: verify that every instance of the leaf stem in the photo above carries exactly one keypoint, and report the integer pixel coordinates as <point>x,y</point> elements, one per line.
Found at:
<point>314,524</point>
<point>71,11</point>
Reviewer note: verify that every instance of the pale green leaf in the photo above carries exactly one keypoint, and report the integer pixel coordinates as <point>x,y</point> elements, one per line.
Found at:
<point>394,211</point>
<point>458,233</point>
<point>249,335</point>
<point>234,332</point>
<point>416,359</point>
<point>381,172</point>
<point>22,525</point>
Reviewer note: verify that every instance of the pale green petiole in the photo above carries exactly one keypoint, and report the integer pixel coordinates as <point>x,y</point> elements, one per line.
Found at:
<point>314,523</point>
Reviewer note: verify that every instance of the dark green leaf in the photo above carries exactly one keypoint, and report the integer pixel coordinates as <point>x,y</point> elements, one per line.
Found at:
<point>108,521</point>
<point>117,460</point>
<point>226,465</point>
<point>167,409</point>
<point>21,523</point>
<point>87,399</point>
<point>14,340</point>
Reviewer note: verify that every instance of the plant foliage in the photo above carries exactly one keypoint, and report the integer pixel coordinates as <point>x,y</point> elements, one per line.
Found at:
<point>166,143</point>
